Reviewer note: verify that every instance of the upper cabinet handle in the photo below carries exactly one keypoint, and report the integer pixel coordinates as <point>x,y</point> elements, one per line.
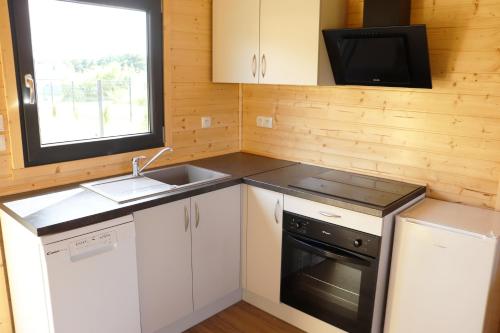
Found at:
<point>186,219</point>
<point>29,83</point>
<point>197,215</point>
<point>335,216</point>
<point>276,211</point>
<point>254,65</point>
<point>264,65</point>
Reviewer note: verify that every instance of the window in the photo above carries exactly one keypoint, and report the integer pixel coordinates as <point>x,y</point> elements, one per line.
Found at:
<point>90,77</point>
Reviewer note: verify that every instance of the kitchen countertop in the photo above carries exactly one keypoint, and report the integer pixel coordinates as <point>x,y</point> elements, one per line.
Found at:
<point>280,180</point>
<point>69,207</point>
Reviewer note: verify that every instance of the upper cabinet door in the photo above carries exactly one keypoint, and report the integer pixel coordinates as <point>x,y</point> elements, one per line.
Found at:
<point>163,239</point>
<point>289,36</point>
<point>264,234</point>
<point>236,41</point>
<point>216,231</point>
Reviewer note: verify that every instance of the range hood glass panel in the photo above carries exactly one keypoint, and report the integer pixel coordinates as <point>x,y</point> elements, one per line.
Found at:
<point>386,56</point>
<point>368,60</point>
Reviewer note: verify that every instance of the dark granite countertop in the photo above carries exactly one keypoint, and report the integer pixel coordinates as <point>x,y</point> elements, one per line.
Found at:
<point>69,207</point>
<point>65,208</point>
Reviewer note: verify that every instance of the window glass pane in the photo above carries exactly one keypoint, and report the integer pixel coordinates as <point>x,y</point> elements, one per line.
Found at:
<point>90,69</point>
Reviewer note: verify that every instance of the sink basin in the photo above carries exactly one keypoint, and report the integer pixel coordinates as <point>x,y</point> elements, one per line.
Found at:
<point>184,175</point>
<point>128,188</point>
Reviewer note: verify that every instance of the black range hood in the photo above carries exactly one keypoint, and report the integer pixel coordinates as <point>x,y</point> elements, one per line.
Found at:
<point>386,52</point>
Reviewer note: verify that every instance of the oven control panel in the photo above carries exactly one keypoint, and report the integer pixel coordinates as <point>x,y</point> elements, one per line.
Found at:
<point>332,234</point>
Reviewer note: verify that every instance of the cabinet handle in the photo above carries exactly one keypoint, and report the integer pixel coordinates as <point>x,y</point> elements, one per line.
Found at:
<point>29,83</point>
<point>276,219</point>
<point>186,218</point>
<point>254,65</point>
<point>197,214</point>
<point>335,216</point>
<point>264,65</point>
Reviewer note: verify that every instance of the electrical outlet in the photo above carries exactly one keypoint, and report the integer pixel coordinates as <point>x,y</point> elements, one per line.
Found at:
<point>206,122</point>
<point>1,123</point>
<point>265,122</point>
<point>268,122</point>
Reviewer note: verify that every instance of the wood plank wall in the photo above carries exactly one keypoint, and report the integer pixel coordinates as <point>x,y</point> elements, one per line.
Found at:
<point>189,95</point>
<point>447,138</point>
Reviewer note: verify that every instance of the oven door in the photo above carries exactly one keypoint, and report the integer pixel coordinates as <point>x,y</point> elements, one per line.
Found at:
<point>329,283</point>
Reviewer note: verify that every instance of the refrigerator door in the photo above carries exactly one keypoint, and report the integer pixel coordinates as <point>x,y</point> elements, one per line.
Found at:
<point>92,282</point>
<point>439,280</point>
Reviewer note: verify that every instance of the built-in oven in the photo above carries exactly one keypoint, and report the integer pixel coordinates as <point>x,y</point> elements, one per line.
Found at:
<point>329,272</point>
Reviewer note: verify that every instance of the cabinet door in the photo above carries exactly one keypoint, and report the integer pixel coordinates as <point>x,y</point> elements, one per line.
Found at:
<point>236,41</point>
<point>289,36</point>
<point>216,245</point>
<point>164,264</point>
<point>264,233</point>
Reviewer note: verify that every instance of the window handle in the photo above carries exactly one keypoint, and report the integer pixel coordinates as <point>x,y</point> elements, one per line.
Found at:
<point>29,83</point>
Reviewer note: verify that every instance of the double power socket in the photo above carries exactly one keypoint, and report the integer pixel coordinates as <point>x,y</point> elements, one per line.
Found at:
<point>265,122</point>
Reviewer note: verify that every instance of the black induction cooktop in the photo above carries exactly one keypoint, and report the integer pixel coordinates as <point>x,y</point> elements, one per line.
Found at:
<point>358,188</point>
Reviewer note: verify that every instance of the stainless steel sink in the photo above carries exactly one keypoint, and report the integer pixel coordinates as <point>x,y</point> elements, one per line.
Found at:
<point>128,188</point>
<point>184,175</point>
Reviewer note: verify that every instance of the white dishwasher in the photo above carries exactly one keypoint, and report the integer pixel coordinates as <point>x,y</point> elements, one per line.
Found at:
<point>80,281</point>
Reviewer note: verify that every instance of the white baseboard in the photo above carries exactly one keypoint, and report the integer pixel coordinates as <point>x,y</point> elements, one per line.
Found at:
<point>290,315</point>
<point>203,314</point>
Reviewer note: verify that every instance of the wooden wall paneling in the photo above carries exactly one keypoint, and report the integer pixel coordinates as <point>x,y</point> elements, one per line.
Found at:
<point>189,95</point>
<point>447,138</point>
<point>497,206</point>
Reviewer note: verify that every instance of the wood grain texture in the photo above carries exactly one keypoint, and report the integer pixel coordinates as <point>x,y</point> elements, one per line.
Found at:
<point>243,318</point>
<point>189,95</point>
<point>447,138</point>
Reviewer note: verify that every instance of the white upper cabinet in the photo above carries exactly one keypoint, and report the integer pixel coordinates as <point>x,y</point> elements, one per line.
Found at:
<point>286,34</point>
<point>216,230</point>
<point>236,41</point>
<point>264,234</point>
<point>163,239</point>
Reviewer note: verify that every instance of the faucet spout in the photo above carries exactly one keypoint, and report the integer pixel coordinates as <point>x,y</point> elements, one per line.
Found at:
<point>135,161</point>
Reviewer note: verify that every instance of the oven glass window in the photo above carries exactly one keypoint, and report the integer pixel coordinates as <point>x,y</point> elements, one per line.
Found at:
<point>328,283</point>
<point>331,284</point>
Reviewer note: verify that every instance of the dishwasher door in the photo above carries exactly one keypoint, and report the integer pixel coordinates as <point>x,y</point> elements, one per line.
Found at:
<point>92,282</point>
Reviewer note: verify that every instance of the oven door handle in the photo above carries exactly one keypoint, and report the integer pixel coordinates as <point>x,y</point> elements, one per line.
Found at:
<point>331,252</point>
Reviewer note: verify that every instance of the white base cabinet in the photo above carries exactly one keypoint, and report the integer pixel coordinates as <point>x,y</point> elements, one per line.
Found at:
<point>164,264</point>
<point>264,233</point>
<point>216,245</point>
<point>188,255</point>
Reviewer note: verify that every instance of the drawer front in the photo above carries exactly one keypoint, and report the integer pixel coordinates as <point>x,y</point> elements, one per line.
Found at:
<point>331,214</point>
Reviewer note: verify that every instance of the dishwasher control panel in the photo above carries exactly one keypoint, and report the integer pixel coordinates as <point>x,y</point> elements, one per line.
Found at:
<point>92,245</point>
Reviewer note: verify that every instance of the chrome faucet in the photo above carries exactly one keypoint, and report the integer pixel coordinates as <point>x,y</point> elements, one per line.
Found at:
<point>136,171</point>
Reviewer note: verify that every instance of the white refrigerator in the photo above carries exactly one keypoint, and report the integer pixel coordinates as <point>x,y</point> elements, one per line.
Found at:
<point>444,271</point>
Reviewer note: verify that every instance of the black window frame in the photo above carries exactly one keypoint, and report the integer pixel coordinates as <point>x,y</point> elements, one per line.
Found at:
<point>36,154</point>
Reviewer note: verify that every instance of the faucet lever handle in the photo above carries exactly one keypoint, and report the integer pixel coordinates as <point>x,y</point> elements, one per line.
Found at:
<point>135,165</point>
<point>138,158</point>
